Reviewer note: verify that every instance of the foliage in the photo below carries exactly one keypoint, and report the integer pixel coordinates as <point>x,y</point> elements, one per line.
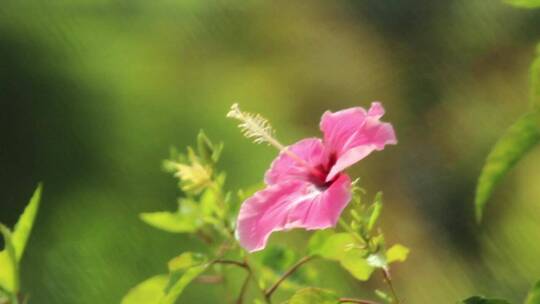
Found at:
<point>208,212</point>
<point>511,147</point>
<point>514,144</point>
<point>15,243</point>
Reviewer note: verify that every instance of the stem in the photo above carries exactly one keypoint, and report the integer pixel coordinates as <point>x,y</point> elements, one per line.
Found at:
<point>388,281</point>
<point>268,293</point>
<point>245,285</point>
<point>357,301</point>
<point>231,262</point>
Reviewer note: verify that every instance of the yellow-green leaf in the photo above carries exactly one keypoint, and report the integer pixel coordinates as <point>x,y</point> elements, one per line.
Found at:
<point>511,147</point>
<point>150,291</point>
<point>186,260</point>
<point>524,3</point>
<point>9,273</point>
<point>355,262</point>
<point>332,246</point>
<point>23,228</point>
<point>314,296</point>
<point>178,282</point>
<point>397,253</point>
<point>169,221</point>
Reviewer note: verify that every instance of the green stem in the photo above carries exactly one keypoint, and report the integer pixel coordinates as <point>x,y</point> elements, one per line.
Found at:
<point>388,281</point>
<point>268,293</point>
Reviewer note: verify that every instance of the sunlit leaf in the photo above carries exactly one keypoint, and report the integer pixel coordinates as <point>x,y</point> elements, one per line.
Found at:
<point>329,245</point>
<point>534,295</point>
<point>186,260</point>
<point>22,230</point>
<point>397,253</point>
<point>9,276</point>
<point>511,147</point>
<point>178,282</point>
<point>376,210</point>
<point>524,3</point>
<point>169,221</point>
<point>482,300</point>
<point>314,296</point>
<point>150,291</point>
<point>355,262</point>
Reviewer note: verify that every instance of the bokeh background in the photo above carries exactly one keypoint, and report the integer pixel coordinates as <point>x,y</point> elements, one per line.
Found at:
<point>93,94</point>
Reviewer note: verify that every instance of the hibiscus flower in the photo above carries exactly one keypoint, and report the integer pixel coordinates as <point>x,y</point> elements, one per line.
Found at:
<point>305,185</point>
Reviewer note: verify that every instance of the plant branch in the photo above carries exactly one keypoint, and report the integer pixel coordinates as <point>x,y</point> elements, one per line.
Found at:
<point>231,262</point>
<point>268,293</point>
<point>245,285</point>
<point>388,281</point>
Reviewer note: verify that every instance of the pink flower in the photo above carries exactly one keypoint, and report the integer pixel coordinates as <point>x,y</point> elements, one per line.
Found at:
<point>306,187</point>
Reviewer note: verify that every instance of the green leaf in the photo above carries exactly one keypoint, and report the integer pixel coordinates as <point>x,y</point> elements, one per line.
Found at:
<point>150,291</point>
<point>534,82</point>
<point>355,262</point>
<point>314,296</point>
<point>482,300</point>
<point>22,230</point>
<point>524,3</point>
<point>170,222</point>
<point>186,260</point>
<point>376,210</point>
<point>511,147</point>
<point>397,253</point>
<point>534,295</point>
<point>9,272</point>
<point>178,282</point>
<point>329,245</point>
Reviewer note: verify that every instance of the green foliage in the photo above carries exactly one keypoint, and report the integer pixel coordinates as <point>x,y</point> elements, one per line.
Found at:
<point>358,251</point>
<point>356,263</point>
<point>534,295</point>
<point>331,245</point>
<point>186,260</point>
<point>149,291</point>
<point>314,296</point>
<point>15,243</point>
<point>9,272</point>
<point>22,230</point>
<point>178,281</point>
<point>511,147</point>
<point>397,253</point>
<point>482,300</point>
<point>166,289</point>
<point>524,3</point>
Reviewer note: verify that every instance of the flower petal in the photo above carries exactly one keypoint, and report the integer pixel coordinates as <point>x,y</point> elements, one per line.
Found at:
<point>284,167</point>
<point>294,204</point>
<point>353,134</point>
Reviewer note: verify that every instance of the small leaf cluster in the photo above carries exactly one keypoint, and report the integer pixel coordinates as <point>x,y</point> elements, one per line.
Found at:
<point>10,257</point>
<point>359,248</point>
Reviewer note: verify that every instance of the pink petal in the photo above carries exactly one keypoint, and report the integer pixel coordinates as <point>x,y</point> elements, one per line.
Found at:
<point>284,167</point>
<point>293,204</point>
<point>353,134</point>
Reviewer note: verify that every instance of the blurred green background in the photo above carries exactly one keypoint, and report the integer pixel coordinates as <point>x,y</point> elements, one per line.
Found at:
<point>93,94</point>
